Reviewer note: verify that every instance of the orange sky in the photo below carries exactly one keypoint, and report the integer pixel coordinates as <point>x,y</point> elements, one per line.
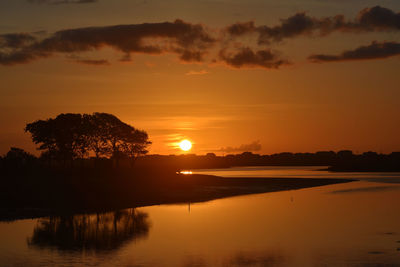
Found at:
<point>219,101</point>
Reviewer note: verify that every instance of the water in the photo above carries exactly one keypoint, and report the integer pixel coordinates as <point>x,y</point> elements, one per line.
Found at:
<point>300,172</point>
<point>351,224</point>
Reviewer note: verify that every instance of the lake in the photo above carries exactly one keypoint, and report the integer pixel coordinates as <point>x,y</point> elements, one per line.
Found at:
<point>350,224</point>
<point>300,172</point>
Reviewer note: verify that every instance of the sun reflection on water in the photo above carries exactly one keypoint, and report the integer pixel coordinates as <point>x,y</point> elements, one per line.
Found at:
<point>185,172</point>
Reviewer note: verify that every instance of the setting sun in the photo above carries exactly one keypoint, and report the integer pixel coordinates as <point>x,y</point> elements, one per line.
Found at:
<point>185,145</point>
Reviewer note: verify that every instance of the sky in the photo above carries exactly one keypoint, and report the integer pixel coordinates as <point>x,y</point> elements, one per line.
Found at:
<point>229,75</point>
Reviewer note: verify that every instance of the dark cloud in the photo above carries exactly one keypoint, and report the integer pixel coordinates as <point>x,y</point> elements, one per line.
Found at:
<point>190,56</point>
<point>373,51</point>
<point>56,2</point>
<point>96,62</point>
<point>295,25</point>
<point>241,28</point>
<point>15,40</point>
<point>9,59</point>
<point>246,57</point>
<point>369,19</point>
<point>189,41</point>
<point>192,42</point>
<point>377,17</point>
<point>254,146</point>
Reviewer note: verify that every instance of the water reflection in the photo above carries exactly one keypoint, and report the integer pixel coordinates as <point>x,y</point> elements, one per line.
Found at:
<point>242,259</point>
<point>106,231</point>
<point>350,224</point>
<point>300,172</point>
<point>366,189</point>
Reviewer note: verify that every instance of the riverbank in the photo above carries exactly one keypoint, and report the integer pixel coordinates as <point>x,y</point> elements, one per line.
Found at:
<point>105,192</point>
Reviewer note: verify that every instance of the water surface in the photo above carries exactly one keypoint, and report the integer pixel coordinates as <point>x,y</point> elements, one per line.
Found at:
<point>350,224</point>
<point>299,172</point>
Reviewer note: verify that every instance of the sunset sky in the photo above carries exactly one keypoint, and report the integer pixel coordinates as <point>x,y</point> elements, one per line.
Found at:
<point>229,75</point>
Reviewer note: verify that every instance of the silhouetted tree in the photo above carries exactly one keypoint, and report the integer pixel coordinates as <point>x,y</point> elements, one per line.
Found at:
<point>16,157</point>
<point>345,154</point>
<point>97,129</point>
<point>70,136</point>
<point>63,137</point>
<point>19,154</point>
<point>109,136</point>
<point>135,145</point>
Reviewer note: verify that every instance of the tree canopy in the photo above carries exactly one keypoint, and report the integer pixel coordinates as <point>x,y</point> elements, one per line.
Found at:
<point>70,136</point>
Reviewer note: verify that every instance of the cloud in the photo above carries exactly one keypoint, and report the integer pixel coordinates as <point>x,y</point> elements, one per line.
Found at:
<point>193,72</point>
<point>375,50</point>
<point>189,41</point>
<point>96,62</point>
<point>300,24</point>
<point>57,2</point>
<point>379,18</point>
<point>246,57</point>
<point>241,28</point>
<point>13,48</point>
<point>15,40</point>
<point>297,24</point>
<point>254,146</point>
<point>194,42</point>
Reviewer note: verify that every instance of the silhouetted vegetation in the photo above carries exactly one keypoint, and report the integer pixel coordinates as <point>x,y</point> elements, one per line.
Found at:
<point>87,164</point>
<point>75,136</point>
<point>17,158</point>
<point>343,160</point>
<point>36,190</point>
<point>127,153</point>
<point>101,140</point>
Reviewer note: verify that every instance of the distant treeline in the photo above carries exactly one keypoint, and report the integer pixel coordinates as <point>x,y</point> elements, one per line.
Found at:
<point>343,160</point>
<point>101,140</point>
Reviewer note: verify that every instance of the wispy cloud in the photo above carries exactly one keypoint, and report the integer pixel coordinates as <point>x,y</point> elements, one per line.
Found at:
<point>96,62</point>
<point>252,147</point>
<point>373,51</point>
<point>246,57</point>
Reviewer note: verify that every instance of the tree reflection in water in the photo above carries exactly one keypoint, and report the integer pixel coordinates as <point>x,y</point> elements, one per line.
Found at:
<point>103,231</point>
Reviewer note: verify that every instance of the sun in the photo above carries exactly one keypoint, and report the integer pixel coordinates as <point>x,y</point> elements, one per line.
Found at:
<point>185,145</point>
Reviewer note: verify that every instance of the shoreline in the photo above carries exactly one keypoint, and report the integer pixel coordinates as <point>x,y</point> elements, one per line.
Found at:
<point>193,188</point>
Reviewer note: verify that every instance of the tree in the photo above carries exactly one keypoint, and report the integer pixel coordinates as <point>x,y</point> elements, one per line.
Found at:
<point>135,144</point>
<point>97,129</point>
<point>70,136</point>
<point>63,137</point>
<point>109,136</point>
<point>19,155</point>
<point>17,159</point>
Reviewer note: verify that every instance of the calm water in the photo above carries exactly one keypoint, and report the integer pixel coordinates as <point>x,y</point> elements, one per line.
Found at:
<point>352,224</point>
<point>300,172</point>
